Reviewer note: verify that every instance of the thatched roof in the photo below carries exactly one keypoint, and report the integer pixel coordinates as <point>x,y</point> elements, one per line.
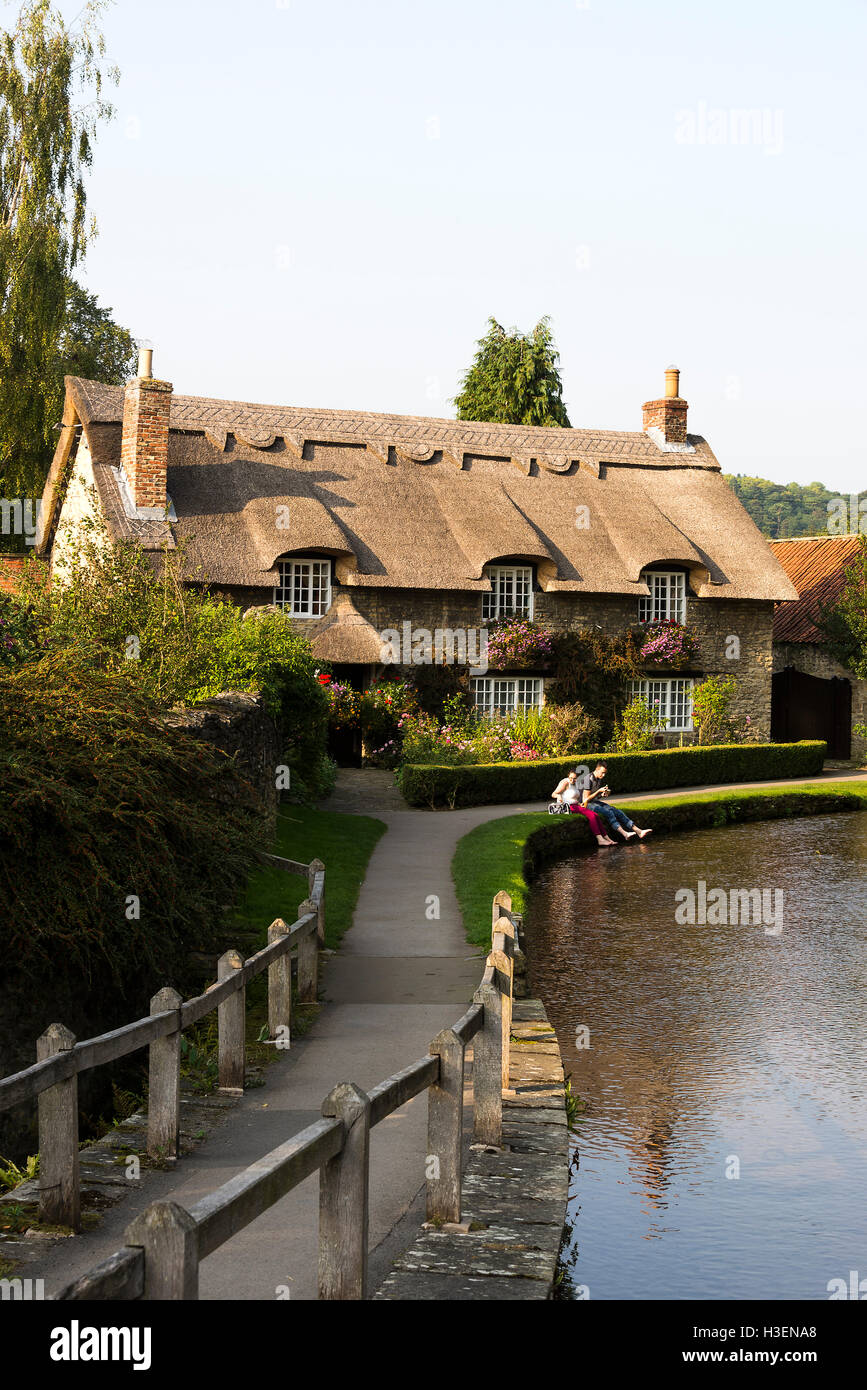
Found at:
<point>408,502</point>
<point>817,567</point>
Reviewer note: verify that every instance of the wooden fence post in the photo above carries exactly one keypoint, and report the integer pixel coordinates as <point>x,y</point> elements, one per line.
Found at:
<point>502,907</point>
<point>504,941</point>
<point>279,986</point>
<point>503,966</point>
<point>59,1192</point>
<point>488,1067</point>
<point>315,867</point>
<point>169,1238</point>
<point>231,1025</point>
<point>308,959</point>
<point>164,1082</point>
<point>343,1198</point>
<point>445,1129</point>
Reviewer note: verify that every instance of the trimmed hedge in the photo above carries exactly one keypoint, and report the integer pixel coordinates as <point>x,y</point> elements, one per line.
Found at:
<point>428,784</point>
<point>559,837</point>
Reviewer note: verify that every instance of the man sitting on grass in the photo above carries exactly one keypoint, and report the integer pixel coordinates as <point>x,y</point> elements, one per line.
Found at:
<point>593,792</point>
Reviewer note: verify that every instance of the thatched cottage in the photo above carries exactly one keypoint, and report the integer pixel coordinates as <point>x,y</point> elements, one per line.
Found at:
<point>365,525</point>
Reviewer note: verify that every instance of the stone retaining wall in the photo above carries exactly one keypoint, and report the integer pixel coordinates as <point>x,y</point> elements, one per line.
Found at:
<point>514,1198</point>
<point>237,724</point>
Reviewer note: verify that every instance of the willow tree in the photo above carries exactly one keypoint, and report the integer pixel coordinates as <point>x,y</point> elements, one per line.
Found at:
<point>514,379</point>
<point>52,77</point>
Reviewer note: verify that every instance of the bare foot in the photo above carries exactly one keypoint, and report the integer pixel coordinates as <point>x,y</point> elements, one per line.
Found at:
<point>628,834</point>
<point>603,840</point>
<point>641,833</point>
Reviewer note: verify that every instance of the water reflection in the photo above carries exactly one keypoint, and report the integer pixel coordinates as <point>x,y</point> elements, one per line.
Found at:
<point>722,1151</point>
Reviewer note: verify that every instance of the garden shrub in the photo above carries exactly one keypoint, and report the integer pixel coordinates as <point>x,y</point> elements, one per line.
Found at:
<point>593,669</point>
<point>637,727</point>
<point>101,805</point>
<point>19,632</point>
<point>435,684</point>
<point>440,785</point>
<point>381,712</point>
<point>125,611</point>
<point>712,715</point>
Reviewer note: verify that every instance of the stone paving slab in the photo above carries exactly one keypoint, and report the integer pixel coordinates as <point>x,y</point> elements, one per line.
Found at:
<point>454,1288</point>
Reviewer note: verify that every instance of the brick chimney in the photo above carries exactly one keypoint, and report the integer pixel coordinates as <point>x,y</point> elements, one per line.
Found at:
<point>669,414</point>
<point>144,450</point>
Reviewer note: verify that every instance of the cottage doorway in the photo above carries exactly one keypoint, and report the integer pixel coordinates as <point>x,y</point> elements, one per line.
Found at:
<point>805,706</point>
<point>344,745</point>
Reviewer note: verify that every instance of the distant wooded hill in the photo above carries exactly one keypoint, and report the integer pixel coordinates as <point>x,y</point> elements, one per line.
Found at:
<point>789,509</point>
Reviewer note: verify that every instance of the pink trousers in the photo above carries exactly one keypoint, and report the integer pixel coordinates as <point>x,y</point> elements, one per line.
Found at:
<point>595,823</point>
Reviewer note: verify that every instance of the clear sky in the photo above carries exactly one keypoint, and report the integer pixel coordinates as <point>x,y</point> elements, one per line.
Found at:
<point>320,202</point>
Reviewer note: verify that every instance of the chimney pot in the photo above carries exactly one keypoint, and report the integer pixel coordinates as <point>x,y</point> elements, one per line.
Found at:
<point>672,381</point>
<point>146,362</point>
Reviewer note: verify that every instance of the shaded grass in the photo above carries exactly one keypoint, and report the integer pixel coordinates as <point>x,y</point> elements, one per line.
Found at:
<point>343,843</point>
<point>507,853</point>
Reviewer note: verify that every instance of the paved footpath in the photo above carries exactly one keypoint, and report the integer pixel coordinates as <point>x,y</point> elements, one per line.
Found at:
<point>397,980</point>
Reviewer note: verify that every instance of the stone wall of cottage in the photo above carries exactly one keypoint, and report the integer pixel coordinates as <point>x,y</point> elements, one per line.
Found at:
<point>812,659</point>
<point>715,623</point>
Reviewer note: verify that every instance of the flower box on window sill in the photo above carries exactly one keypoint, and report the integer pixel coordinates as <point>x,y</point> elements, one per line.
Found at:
<point>517,644</point>
<point>668,645</point>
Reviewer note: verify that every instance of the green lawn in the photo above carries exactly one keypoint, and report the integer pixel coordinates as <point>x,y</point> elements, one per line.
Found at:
<point>343,843</point>
<point>487,861</point>
<point>490,858</point>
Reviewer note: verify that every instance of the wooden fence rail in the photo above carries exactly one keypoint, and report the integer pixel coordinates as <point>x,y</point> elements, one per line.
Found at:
<point>53,1080</point>
<point>166,1243</point>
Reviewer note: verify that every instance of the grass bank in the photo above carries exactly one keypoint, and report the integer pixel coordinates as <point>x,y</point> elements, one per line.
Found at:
<point>343,843</point>
<point>509,853</point>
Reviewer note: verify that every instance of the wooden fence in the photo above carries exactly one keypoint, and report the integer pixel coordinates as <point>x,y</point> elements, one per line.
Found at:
<point>53,1081</point>
<point>166,1243</point>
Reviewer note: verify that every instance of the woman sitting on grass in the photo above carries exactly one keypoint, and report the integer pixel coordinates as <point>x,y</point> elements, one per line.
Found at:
<point>569,792</point>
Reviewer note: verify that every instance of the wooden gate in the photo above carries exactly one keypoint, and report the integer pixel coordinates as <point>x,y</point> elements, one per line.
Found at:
<point>805,706</point>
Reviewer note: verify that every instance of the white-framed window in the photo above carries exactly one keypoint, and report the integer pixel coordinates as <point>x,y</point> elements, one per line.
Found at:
<point>511,593</point>
<point>667,599</point>
<point>505,694</point>
<point>304,588</point>
<point>672,697</point>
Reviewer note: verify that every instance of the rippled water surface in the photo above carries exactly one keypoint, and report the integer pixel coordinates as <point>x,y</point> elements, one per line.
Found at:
<point>713,1047</point>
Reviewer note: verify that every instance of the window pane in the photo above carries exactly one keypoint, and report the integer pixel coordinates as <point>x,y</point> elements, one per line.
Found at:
<point>304,587</point>
<point>678,597</point>
<point>529,692</point>
<point>667,598</point>
<point>482,694</point>
<point>511,592</point>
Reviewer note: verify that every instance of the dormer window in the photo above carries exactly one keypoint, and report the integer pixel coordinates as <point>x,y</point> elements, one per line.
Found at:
<point>667,599</point>
<point>304,588</point>
<point>511,593</point>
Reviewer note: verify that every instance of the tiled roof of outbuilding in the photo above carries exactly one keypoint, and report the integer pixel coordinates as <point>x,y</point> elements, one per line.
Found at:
<point>816,566</point>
